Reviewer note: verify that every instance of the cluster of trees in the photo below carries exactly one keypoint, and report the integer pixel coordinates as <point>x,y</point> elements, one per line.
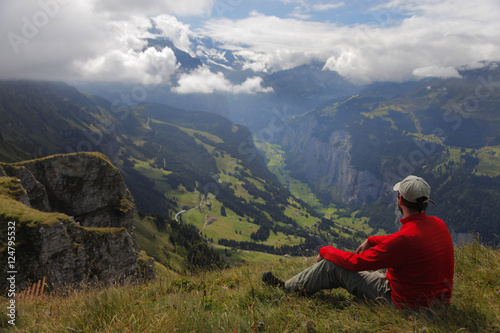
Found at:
<point>200,255</point>
<point>262,234</point>
<point>305,249</point>
<point>310,246</point>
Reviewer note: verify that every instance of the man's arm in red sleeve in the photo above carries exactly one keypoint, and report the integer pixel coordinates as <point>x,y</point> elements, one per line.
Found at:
<point>382,255</point>
<point>374,240</point>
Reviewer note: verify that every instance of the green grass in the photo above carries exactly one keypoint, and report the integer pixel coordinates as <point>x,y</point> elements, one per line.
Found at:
<point>13,210</point>
<point>231,226</point>
<point>489,161</point>
<point>156,244</point>
<point>191,131</point>
<point>280,239</point>
<point>234,300</point>
<point>153,173</point>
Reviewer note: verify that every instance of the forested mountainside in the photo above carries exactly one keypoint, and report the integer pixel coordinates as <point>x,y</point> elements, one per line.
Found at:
<point>446,130</point>
<point>197,164</point>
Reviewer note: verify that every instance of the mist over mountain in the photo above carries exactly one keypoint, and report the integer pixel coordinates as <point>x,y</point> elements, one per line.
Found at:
<point>237,92</point>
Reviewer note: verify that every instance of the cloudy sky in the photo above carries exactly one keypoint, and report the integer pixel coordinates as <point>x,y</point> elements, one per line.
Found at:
<point>365,41</point>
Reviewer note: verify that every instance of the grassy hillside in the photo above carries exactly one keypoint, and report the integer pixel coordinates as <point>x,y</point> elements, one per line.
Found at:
<point>208,168</point>
<point>234,300</point>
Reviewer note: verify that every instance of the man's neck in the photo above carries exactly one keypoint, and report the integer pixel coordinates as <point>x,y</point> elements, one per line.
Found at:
<point>407,212</point>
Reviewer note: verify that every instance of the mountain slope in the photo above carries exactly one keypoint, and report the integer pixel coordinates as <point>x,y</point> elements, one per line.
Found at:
<point>172,160</point>
<point>447,131</point>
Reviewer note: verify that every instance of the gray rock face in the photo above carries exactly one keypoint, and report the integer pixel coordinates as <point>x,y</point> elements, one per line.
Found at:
<point>326,165</point>
<point>86,187</point>
<point>36,192</point>
<point>93,241</point>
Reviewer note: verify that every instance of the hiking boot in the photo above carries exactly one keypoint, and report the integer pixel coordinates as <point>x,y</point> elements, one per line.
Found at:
<point>269,279</point>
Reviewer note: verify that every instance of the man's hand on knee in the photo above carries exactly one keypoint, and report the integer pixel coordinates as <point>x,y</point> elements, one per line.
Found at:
<point>363,247</point>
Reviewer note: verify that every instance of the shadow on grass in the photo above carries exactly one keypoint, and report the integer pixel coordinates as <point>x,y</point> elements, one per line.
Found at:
<point>453,317</point>
<point>333,300</point>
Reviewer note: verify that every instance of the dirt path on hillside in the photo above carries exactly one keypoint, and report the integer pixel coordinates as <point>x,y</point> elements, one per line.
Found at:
<point>208,220</point>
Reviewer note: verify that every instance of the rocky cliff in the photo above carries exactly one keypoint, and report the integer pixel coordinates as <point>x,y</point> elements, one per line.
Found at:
<point>74,221</point>
<point>325,163</point>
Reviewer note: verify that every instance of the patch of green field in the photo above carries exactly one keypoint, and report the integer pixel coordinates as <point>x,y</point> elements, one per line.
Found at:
<point>489,161</point>
<point>281,239</point>
<point>230,226</point>
<point>276,164</point>
<point>257,182</point>
<point>303,191</point>
<point>146,169</point>
<point>237,256</point>
<point>273,152</point>
<point>235,227</point>
<point>225,163</point>
<point>428,137</point>
<point>185,198</point>
<point>300,216</point>
<point>191,131</point>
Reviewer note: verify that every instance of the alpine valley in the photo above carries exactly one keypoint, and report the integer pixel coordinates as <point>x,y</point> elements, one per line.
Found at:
<point>310,163</point>
<point>192,178</point>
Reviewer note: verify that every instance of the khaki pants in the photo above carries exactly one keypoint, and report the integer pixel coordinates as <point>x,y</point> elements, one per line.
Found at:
<point>326,275</point>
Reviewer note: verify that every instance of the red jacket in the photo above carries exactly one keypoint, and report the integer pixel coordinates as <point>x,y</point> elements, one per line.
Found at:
<point>419,258</point>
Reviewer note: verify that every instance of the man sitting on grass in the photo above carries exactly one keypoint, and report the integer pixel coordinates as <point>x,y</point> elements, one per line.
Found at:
<point>419,259</point>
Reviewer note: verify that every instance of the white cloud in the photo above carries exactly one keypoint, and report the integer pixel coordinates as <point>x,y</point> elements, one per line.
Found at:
<point>156,7</point>
<point>178,32</point>
<point>73,39</point>
<point>446,33</point>
<point>203,81</point>
<point>44,37</point>
<point>436,71</point>
<point>326,6</point>
<point>48,39</point>
<point>148,67</point>
<point>125,56</point>
<point>272,43</point>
